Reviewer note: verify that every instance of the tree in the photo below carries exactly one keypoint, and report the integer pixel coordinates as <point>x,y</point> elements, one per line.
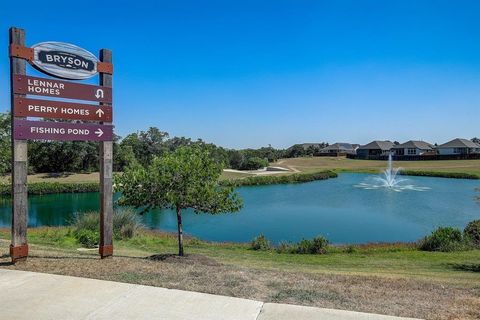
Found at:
<point>186,178</point>
<point>5,150</point>
<point>255,163</point>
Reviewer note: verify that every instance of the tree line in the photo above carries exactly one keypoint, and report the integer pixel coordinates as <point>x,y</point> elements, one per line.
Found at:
<point>141,147</point>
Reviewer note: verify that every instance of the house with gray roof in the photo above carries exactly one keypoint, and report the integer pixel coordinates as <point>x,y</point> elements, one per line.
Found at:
<point>375,148</point>
<point>340,148</point>
<point>413,148</point>
<point>458,146</point>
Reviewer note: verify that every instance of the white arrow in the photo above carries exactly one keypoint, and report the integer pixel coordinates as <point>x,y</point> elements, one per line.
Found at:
<point>99,93</point>
<point>99,112</point>
<point>99,132</point>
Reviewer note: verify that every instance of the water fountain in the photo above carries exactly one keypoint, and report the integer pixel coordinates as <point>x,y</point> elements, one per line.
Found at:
<point>389,180</point>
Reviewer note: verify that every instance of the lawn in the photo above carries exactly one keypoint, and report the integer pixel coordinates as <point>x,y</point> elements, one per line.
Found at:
<point>339,164</point>
<point>391,279</point>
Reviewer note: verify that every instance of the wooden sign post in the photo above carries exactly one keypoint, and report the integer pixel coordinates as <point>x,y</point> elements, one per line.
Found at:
<point>64,61</point>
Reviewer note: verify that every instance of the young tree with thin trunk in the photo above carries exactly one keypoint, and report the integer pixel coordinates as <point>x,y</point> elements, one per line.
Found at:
<point>185,179</point>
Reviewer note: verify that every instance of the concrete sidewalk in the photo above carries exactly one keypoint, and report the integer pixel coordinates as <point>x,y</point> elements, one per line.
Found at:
<point>30,295</point>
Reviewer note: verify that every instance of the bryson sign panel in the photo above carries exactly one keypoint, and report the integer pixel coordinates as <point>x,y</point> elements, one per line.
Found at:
<point>64,60</point>
<point>25,107</point>
<point>63,131</point>
<point>60,89</point>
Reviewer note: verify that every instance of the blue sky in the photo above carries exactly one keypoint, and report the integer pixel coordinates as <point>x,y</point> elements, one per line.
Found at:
<point>252,73</point>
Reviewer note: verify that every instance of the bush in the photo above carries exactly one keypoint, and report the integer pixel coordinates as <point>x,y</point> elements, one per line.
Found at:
<point>284,247</point>
<point>254,163</point>
<point>317,245</point>
<point>451,175</point>
<point>39,188</point>
<point>260,243</point>
<point>351,249</point>
<point>279,179</point>
<point>443,239</point>
<point>472,232</point>
<point>87,238</point>
<point>126,224</point>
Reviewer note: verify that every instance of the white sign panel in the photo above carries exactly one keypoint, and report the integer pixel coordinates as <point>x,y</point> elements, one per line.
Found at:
<point>64,60</point>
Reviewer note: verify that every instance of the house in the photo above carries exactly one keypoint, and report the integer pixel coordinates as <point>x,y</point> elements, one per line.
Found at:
<point>458,146</point>
<point>340,148</point>
<point>375,148</point>
<point>317,146</point>
<point>413,148</point>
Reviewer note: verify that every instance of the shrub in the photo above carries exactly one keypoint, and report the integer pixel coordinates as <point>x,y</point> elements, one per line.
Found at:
<point>451,175</point>
<point>39,188</point>
<point>260,243</point>
<point>351,249</point>
<point>472,232</point>
<point>284,247</point>
<point>443,239</point>
<point>280,179</point>
<point>126,224</point>
<point>317,245</point>
<point>87,238</point>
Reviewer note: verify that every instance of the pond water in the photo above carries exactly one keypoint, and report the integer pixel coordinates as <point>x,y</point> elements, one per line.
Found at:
<point>342,209</point>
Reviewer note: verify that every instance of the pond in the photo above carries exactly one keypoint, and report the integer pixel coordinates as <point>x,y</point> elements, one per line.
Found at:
<point>342,209</point>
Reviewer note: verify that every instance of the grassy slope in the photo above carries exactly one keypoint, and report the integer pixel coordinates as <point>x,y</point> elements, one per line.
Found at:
<point>394,260</point>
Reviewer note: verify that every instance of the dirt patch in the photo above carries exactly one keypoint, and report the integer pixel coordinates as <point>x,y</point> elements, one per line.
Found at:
<point>408,298</point>
<point>188,258</point>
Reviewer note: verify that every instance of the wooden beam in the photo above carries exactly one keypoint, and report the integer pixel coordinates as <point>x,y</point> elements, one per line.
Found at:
<point>106,168</point>
<point>19,246</point>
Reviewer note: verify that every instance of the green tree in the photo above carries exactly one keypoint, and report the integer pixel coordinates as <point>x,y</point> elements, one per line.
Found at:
<point>5,150</point>
<point>186,178</point>
<point>255,163</point>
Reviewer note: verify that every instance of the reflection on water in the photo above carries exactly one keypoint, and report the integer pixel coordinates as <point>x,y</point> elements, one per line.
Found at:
<point>340,209</point>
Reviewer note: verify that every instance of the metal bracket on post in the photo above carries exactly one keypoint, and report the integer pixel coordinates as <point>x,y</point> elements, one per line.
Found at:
<point>17,51</point>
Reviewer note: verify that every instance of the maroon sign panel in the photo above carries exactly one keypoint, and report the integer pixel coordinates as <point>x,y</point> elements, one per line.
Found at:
<point>60,89</point>
<point>42,130</point>
<point>24,107</point>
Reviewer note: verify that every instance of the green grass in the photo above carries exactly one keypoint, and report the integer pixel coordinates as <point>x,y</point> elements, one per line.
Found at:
<point>342,164</point>
<point>384,260</point>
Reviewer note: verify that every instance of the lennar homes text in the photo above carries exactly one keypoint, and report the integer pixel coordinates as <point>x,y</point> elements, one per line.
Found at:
<point>44,87</point>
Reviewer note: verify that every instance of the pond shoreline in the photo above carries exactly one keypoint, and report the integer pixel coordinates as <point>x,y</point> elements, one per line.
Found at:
<point>43,188</point>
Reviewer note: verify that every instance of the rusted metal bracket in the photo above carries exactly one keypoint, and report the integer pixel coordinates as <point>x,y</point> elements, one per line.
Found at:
<point>19,253</point>
<point>22,52</point>
<point>104,67</point>
<point>105,251</point>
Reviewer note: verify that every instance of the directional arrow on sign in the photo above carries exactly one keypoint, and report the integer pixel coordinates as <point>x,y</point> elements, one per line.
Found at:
<point>50,109</point>
<point>99,94</point>
<point>60,89</point>
<point>99,112</point>
<point>61,131</point>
